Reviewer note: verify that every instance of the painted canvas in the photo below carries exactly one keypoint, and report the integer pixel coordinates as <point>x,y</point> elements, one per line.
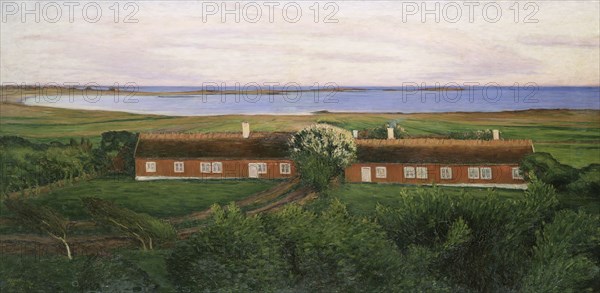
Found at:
<point>299,146</point>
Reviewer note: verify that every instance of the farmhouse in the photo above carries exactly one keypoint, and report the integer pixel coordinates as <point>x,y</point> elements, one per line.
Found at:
<point>493,163</point>
<point>213,155</point>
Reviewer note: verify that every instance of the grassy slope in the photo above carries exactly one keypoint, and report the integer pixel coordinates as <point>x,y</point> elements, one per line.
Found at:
<point>571,136</point>
<point>158,198</point>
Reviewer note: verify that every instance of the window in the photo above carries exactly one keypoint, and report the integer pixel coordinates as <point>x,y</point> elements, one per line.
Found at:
<point>473,173</point>
<point>205,167</point>
<point>285,168</point>
<point>446,173</point>
<point>409,172</point>
<point>178,167</point>
<point>486,173</point>
<point>422,172</point>
<point>516,173</point>
<point>262,168</point>
<point>150,166</point>
<point>380,172</point>
<point>217,167</point>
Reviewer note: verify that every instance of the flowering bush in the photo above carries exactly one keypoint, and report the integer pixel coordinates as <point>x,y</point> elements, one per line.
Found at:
<point>322,152</point>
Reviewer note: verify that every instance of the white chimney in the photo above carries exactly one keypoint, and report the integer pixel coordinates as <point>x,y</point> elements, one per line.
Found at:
<point>355,133</point>
<point>496,134</point>
<point>390,133</point>
<point>245,129</point>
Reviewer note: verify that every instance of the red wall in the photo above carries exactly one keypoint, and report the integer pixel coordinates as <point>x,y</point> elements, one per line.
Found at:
<point>231,168</point>
<point>501,174</point>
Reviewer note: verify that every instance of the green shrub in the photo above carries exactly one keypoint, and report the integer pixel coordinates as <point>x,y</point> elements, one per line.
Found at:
<point>588,182</point>
<point>234,254</point>
<point>547,169</point>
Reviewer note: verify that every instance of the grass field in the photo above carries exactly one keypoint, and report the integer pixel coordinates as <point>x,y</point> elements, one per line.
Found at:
<point>167,198</point>
<point>361,199</point>
<point>571,136</point>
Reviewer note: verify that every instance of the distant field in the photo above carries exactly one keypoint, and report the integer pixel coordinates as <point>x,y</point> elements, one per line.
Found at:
<point>362,199</point>
<point>570,135</point>
<point>167,198</point>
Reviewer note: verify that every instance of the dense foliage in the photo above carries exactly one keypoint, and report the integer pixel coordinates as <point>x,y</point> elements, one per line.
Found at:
<point>28,165</point>
<point>584,181</point>
<point>321,152</point>
<point>485,134</point>
<point>381,132</point>
<point>429,242</point>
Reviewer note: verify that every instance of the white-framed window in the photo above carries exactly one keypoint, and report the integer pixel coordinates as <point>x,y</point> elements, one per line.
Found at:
<point>150,166</point>
<point>409,172</point>
<point>217,167</point>
<point>486,173</point>
<point>285,168</point>
<point>380,172</point>
<point>473,173</point>
<point>421,172</point>
<point>205,167</point>
<point>446,173</point>
<point>516,173</point>
<point>178,167</point>
<point>262,168</point>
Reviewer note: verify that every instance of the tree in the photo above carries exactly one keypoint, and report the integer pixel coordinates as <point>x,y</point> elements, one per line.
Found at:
<point>547,169</point>
<point>142,227</point>
<point>232,254</point>
<point>322,152</point>
<point>42,219</point>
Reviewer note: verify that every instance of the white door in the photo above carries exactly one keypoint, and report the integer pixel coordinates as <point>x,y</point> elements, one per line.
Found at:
<point>253,170</point>
<point>365,174</point>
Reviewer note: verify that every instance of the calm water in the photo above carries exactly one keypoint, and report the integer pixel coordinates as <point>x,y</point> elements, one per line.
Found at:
<point>368,100</point>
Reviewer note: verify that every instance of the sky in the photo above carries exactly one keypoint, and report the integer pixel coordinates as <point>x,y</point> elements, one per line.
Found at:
<point>360,43</point>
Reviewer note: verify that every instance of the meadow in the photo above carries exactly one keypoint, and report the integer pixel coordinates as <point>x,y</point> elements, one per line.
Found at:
<point>162,199</point>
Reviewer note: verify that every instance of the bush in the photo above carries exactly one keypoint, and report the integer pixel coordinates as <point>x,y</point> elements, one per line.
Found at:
<point>486,134</point>
<point>547,169</point>
<point>322,152</point>
<point>588,182</point>
<point>234,254</point>
<point>481,244</point>
<point>381,131</point>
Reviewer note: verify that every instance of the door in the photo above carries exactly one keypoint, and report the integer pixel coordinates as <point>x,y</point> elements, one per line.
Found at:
<point>253,170</point>
<point>365,174</point>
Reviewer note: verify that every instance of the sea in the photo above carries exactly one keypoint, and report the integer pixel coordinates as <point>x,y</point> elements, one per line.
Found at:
<point>353,99</point>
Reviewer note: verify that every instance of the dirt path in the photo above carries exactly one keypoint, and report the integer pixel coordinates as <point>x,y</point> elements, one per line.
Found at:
<point>39,245</point>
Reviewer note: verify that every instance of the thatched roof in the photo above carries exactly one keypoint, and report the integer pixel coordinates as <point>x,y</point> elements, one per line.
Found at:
<point>213,145</point>
<point>274,145</point>
<point>443,151</point>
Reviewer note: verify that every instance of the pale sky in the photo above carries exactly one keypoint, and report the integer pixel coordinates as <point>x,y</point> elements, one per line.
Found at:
<point>369,45</point>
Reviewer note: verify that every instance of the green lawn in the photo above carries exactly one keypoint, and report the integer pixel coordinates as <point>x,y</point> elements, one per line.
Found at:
<point>362,198</point>
<point>165,198</point>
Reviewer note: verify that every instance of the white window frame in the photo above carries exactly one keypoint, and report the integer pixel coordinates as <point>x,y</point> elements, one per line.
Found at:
<point>205,167</point>
<point>380,172</point>
<point>446,173</point>
<point>262,168</point>
<point>178,164</point>
<point>285,168</point>
<point>421,172</point>
<point>217,167</point>
<point>517,173</point>
<point>409,172</point>
<point>151,167</point>
<point>473,173</point>
<point>486,173</point>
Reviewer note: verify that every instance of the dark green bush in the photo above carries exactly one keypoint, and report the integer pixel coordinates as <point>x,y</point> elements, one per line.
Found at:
<point>588,182</point>
<point>547,169</point>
